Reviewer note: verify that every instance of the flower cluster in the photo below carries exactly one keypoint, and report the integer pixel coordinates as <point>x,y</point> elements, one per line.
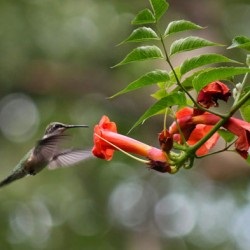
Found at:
<point>190,126</point>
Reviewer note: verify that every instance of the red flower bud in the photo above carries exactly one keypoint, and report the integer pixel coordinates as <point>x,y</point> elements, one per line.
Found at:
<point>213,92</point>
<point>166,141</point>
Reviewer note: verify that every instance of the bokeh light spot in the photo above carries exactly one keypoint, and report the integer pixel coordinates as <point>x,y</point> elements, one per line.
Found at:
<point>127,204</point>
<point>19,117</point>
<point>175,215</point>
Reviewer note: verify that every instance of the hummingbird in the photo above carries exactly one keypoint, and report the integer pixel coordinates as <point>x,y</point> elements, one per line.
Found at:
<point>47,153</point>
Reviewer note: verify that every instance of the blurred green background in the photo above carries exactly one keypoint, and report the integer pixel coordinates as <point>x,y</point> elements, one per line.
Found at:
<point>55,59</point>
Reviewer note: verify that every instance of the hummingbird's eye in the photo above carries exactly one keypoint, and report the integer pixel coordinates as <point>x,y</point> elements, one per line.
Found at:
<point>53,127</point>
<point>56,126</point>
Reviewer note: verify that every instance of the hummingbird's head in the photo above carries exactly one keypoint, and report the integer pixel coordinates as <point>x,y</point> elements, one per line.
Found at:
<point>59,128</point>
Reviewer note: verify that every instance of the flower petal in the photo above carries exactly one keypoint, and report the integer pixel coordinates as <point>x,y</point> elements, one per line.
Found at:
<point>198,133</point>
<point>213,92</point>
<point>106,124</point>
<point>101,148</point>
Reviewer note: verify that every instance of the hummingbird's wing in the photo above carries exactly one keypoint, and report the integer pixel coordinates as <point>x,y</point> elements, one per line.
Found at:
<point>47,147</point>
<point>68,157</point>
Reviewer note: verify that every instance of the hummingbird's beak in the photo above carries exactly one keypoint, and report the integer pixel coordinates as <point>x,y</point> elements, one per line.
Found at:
<point>76,126</point>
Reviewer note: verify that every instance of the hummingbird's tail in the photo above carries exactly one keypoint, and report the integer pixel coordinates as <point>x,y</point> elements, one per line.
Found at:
<point>14,176</point>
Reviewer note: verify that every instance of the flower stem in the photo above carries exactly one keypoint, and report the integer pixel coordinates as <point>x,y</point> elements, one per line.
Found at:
<point>175,75</point>
<point>217,152</point>
<point>165,119</point>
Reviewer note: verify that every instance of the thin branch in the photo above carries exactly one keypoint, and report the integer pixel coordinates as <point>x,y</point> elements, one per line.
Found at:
<point>217,152</point>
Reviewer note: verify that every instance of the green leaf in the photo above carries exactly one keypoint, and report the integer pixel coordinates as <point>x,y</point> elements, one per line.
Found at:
<point>190,43</point>
<point>159,94</point>
<point>245,109</point>
<point>167,86</point>
<point>226,135</point>
<point>141,34</point>
<point>171,100</point>
<point>202,60</point>
<point>248,159</point>
<point>159,7</point>
<point>215,74</point>
<point>144,17</point>
<point>188,82</point>
<point>240,42</point>
<point>180,25</point>
<point>141,54</point>
<point>150,78</point>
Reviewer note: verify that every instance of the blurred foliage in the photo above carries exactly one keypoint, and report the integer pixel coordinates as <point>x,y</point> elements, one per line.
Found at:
<point>55,66</point>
